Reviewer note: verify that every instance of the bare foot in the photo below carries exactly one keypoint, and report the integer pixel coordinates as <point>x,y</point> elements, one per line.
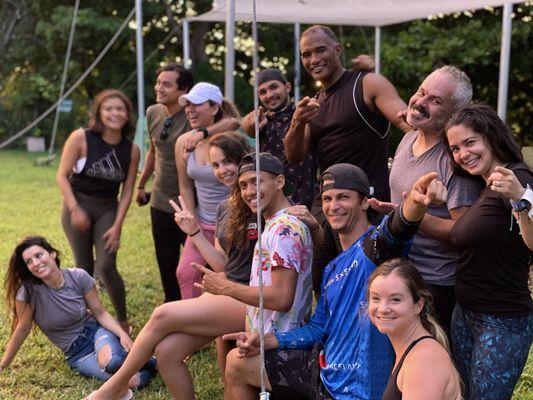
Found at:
<point>101,394</point>
<point>135,381</point>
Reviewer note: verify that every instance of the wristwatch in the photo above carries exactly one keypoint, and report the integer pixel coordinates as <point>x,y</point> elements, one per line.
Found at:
<point>524,203</point>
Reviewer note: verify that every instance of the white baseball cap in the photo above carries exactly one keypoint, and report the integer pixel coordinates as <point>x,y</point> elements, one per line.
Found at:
<point>202,92</point>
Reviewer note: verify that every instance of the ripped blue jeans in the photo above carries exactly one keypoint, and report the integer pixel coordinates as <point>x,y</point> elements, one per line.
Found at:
<point>490,352</point>
<point>83,355</point>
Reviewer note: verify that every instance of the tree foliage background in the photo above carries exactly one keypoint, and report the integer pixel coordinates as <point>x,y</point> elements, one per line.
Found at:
<point>33,41</point>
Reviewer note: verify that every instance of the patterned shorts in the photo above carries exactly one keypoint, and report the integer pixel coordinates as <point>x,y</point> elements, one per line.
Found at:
<point>295,374</point>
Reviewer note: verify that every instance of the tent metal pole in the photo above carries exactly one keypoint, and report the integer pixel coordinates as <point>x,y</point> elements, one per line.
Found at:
<point>505,55</point>
<point>140,78</point>
<point>187,62</point>
<point>377,48</point>
<point>230,51</point>
<point>297,65</point>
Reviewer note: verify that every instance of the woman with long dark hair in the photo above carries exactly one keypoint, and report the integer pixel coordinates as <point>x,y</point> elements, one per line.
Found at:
<point>399,305</point>
<point>65,305</point>
<point>492,325</point>
<point>97,164</point>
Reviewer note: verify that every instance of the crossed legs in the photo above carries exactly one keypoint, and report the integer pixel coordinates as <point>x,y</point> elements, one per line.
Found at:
<point>174,331</point>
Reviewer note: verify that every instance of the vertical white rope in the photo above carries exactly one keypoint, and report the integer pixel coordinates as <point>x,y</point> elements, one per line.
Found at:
<point>264,395</point>
<point>64,76</point>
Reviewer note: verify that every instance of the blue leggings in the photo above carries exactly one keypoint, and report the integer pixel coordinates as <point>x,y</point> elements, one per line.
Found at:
<point>490,352</point>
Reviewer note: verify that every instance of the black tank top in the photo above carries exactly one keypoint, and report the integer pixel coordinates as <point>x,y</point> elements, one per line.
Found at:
<point>391,390</point>
<point>105,169</point>
<point>347,131</point>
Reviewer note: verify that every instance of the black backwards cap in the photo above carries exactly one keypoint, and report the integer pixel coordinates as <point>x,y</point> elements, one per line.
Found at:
<point>267,163</point>
<point>346,176</point>
<point>270,74</point>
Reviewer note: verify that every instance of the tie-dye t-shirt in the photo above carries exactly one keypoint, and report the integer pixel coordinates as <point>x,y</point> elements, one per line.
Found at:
<point>286,243</point>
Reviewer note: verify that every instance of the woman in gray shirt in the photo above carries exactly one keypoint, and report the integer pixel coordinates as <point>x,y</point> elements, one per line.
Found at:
<point>65,305</point>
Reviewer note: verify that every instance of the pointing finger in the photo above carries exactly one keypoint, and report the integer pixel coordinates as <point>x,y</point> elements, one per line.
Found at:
<point>232,336</point>
<point>201,268</point>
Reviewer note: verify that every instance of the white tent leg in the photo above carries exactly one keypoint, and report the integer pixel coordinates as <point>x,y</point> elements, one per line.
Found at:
<point>377,48</point>
<point>230,51</point>
<point>140,79</point>
<point>187,62</point>
<point>505,55</point>
<point>297,65</point>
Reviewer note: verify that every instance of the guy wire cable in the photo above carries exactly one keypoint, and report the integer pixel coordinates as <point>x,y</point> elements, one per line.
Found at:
<point>263,395</point>
<point>64,75</point>
<point>74,86</point>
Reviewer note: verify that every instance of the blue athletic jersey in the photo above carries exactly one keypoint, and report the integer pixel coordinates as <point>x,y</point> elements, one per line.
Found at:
<point>358,359</point>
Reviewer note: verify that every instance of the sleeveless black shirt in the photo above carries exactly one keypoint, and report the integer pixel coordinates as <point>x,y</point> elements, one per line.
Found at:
<point>105,169</point>
<point>391,390</point>
<point>347,131</point>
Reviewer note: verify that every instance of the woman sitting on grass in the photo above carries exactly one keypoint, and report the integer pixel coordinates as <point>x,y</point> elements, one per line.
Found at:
<point>399,304</point>
<point>65,305</point>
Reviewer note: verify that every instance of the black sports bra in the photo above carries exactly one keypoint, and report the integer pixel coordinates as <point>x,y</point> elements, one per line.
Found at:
<point>391,390</point>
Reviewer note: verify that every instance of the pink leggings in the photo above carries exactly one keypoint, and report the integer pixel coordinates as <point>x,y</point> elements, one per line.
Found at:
<point>187,275</point>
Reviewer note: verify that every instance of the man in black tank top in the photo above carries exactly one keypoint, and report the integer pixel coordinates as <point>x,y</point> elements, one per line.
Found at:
<point>347,120</point>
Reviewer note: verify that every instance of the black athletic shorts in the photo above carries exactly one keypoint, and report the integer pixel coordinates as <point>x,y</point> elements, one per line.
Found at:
<point>295,374</point>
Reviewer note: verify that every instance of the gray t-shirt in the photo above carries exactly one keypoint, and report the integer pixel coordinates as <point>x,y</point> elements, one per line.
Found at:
<point>239,260</point>
<point>61,313</point>
<point>436,260</point>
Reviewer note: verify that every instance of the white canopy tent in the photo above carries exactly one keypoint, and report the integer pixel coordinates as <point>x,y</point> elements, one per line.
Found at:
<point>375,13</point>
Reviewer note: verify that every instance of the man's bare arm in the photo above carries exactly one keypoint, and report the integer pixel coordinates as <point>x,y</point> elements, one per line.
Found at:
<point>298,137</point>
<point>381,96</point>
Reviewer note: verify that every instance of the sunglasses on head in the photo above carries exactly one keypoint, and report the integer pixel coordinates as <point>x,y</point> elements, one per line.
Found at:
<point>166,126</point>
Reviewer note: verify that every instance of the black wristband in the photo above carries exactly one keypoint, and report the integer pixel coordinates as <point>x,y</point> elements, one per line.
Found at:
<point>205,132</point>
<point>195,233</point>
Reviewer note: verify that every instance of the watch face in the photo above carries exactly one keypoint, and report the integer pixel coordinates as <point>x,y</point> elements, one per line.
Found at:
<point>521,205</point>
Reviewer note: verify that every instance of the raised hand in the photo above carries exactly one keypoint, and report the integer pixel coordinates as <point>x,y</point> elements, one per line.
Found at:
<point>184,218</point>
<point>504,181</point>
<point>306,110</point>
<point>428,190</point>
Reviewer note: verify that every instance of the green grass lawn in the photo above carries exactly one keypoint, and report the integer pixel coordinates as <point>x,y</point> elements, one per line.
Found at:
<point>30,203</point>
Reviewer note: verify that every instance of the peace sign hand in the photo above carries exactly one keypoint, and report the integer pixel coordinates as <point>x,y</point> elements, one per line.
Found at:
<point>184,218</point>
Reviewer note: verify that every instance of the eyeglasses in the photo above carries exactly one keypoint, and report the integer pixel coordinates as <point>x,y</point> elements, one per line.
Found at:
<point>166,126</point>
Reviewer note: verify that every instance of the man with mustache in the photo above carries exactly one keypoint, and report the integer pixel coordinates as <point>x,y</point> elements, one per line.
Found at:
<point>422,151</point>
